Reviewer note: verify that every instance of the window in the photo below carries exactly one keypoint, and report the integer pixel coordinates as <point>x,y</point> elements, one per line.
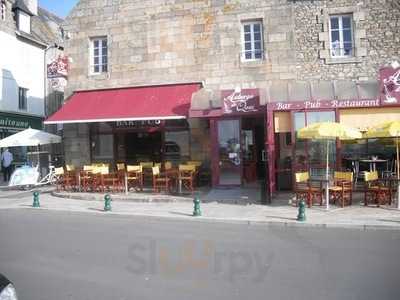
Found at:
<point>341,35</point>
<point>99,55</point>
<point>23,21</point>
<point>3,10</point>
<point>252,41</point>
<point>22,99</point>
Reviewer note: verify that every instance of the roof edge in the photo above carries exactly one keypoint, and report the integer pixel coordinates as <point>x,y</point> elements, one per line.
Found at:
<point>139,86</point>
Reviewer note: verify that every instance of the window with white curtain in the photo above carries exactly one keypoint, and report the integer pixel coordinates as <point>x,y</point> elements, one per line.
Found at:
<point>341,35</point>
<point>252,43</point>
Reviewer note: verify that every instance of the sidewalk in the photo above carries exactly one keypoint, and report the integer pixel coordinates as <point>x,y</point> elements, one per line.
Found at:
<point>280,213</point>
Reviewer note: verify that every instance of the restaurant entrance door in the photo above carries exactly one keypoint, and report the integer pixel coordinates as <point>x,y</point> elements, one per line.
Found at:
<point>230,164</point>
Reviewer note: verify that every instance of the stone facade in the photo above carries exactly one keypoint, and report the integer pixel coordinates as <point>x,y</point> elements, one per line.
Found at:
<point>153,42</point>
<point>177,41</point>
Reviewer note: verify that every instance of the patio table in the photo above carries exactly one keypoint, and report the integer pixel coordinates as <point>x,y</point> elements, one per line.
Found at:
<point>373,162</point>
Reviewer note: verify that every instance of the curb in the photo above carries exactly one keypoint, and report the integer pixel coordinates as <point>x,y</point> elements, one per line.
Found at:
<point>202,219</point>
<point>177,199</point>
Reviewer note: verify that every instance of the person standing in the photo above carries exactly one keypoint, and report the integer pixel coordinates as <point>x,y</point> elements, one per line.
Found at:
<point>6,160</point>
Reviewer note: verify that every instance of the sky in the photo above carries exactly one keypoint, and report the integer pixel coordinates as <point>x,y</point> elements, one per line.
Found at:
<point>60,8</point>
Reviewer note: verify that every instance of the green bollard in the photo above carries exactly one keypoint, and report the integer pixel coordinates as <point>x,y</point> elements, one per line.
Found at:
<point>107,202</point>
<point>196,211</point>
<point>301,217</point>
<point>36,202</point>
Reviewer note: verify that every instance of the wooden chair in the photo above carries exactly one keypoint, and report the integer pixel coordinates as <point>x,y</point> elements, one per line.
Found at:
<point>306,189</point>
<point>196,163</point>
<point>168,165</point>
<point>376,191</point>
<point>59,172</point>
<point>70,168</point>
<point>120,166</point>
<point>186,177</point>
<point>147,171</point>
<point>134,177</point>
<point>96,180</point>
<point>111,181</point>
<point>342,190</point>
<point>86,178</point>
<point>160,181</point>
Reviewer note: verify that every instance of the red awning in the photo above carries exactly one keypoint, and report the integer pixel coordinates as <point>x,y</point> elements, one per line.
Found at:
<point>127,104</point>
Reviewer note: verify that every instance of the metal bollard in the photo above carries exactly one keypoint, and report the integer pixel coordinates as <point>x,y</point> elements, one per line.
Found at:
<point>107,202</point>
<point>301,217</point>
<point>36,202</point>
<point>196,210</point>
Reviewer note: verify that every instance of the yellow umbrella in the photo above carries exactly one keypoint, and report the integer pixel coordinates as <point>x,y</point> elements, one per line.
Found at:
<point>328,131</point>
<point>388,129</point>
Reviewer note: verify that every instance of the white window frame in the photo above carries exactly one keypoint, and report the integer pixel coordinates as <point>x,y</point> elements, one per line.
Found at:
<point>103,68</point>
<point>3,10</point>
<point>341,53</point>
<point>252,41</point>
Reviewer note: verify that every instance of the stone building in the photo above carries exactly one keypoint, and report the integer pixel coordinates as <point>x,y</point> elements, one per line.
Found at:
<point>289,62</point>
<point>29,37</point>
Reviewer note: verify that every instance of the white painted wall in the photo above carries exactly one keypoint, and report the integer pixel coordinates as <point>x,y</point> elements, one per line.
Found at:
<point>21,65</point>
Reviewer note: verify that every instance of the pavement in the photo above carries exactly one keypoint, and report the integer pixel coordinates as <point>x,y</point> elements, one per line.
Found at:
<point>67,255</point>
<point>281,212</point>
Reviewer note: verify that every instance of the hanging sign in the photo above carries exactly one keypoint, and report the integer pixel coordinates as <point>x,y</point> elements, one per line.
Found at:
<point>58,67</point>
<point>239,102</point>
<point>389,85</point>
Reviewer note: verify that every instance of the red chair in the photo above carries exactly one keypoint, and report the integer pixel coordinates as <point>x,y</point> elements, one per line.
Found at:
<point>161,181</point>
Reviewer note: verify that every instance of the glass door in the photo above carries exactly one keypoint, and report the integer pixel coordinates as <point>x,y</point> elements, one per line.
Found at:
<point>230,164</point>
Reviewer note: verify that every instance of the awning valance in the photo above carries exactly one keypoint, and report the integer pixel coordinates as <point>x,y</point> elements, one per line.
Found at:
<point>127,104</point>
<point>366,118</point>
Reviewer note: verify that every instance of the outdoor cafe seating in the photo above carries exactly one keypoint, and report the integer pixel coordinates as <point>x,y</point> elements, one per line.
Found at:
<point>161,180</point>
<point>377,191</point>
<point>342,189</point>
<point>99,177</point>
<point>134,177</point>
<point>307,189</point>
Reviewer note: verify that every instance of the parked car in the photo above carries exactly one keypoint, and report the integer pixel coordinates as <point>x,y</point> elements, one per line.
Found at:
<point>7,290</point>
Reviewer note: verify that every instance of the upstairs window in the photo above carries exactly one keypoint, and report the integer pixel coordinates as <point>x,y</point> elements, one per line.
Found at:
<point>23,21</point>
<point>22,98</point>
<point>341,36</point>
<point>252,40</point>
<point>99,55</point>
<point>3,10</point>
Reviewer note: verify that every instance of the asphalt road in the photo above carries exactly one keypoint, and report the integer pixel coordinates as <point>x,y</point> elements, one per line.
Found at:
<point>61,255</point>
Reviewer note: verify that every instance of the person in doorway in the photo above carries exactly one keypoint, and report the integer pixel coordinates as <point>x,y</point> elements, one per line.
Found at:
<point>6,160</point>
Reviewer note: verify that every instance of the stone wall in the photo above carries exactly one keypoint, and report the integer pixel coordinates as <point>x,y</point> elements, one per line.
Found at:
<point>76,144</point>
<point>178,41</point>
<point>376,33</point>
<point>153,42</point>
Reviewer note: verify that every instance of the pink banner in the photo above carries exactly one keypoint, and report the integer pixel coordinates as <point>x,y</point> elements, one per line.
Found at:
<point>389,86</point>
<point>240,101</point>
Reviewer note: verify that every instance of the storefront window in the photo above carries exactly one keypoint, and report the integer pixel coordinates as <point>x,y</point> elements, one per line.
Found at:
<point>300,144</point>
<point>177,146</point>
<point>102,146</point>
<point>311,154</point>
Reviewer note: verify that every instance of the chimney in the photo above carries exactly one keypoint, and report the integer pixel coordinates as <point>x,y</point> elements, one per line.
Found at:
<point>31,5</point>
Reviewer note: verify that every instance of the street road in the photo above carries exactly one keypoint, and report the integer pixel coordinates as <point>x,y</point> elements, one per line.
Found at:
<point>59,255</point>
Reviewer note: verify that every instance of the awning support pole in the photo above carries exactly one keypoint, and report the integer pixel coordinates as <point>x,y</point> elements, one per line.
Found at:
<point>398,172</point>
<point>327,176</point>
